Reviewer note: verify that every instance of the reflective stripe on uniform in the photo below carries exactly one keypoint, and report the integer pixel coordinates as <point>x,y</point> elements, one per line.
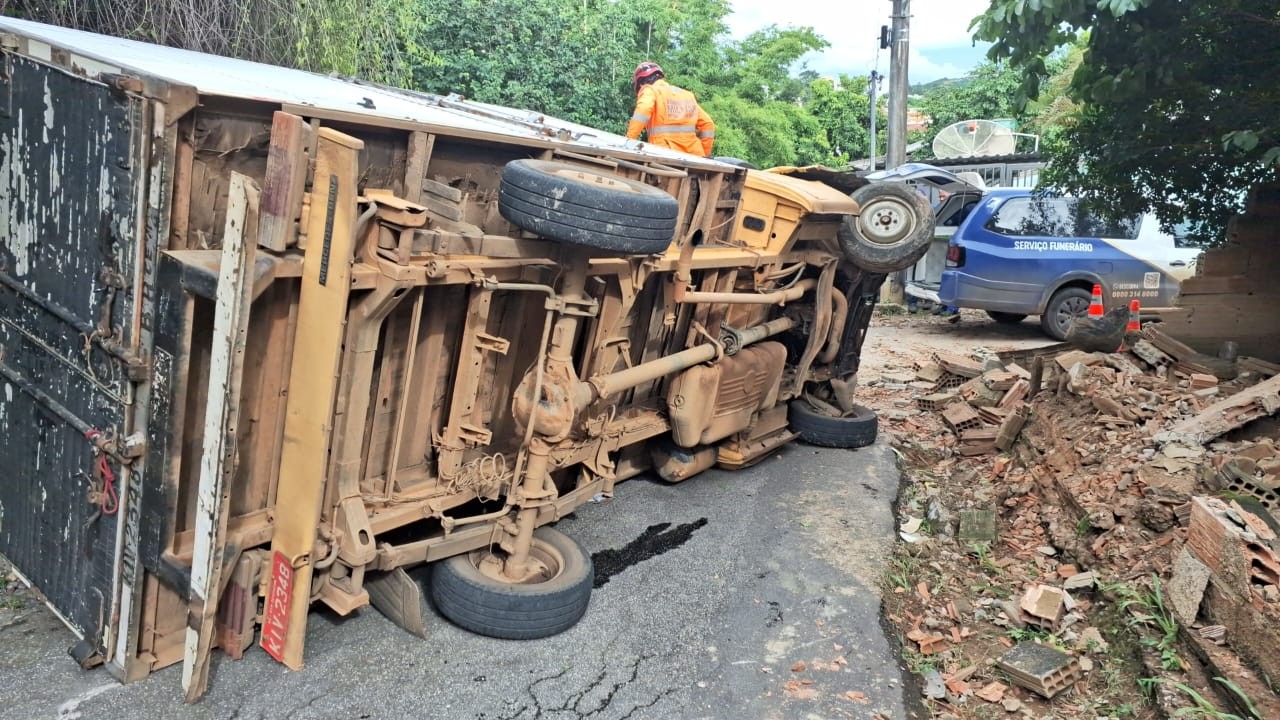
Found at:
<point>642,119</point>
<point>707,134</point>
<point>664,129</point>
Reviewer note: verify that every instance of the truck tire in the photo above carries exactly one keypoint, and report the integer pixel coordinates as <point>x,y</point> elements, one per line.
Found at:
<point>582,206</point>
<point>891,232</point>
<point>1066,304</point>
<point>1006,318</point>
<point>853,431</point>
<point>486,606</point>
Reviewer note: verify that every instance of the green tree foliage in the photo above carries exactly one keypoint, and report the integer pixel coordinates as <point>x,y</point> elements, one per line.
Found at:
<point>369,39</point>
<point>1177,111</point>
<point>566,58</point>
<point>574,59</point>
<point>842,110</point>
<point>988,93</point>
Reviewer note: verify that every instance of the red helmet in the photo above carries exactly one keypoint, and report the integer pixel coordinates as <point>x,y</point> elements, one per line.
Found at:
<point>644,70</point>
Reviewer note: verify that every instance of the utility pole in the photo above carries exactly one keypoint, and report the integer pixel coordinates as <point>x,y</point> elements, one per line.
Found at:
<point>893,290</point>
<point>872,87</point>
<point>897,150</point>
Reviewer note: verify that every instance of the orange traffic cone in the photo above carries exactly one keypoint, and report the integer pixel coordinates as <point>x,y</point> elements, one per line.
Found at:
<point>1135,322</point>
<point>1135,317</point>
<point>1095,304</point>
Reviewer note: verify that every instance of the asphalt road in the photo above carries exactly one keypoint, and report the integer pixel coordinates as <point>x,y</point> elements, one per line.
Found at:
<point>716,590</point>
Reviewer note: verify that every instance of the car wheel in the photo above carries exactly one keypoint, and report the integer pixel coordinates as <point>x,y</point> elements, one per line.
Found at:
<point>549,604</point>
<point>855,430</point>
<point>892,231</point>
<point>1006,318</point>
<point>582,206</point>
<point>1066,305</point>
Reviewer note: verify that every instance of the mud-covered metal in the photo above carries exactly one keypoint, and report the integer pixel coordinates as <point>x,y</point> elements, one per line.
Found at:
<point>421,377</point>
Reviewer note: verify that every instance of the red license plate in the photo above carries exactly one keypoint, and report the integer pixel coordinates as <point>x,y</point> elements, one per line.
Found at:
<point>275,624</point>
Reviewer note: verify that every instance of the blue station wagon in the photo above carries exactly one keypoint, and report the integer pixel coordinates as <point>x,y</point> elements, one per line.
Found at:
<point>1022,252</point>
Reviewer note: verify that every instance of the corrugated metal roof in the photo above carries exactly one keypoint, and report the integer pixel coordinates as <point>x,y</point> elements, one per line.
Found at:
<point>217,76</point>
<point>987,159</point>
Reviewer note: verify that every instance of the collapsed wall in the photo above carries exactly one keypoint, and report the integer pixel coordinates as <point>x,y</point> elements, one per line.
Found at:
<point>1233,295</point>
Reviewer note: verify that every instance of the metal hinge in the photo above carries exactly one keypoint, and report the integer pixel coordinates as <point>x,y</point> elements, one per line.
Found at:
<point>492,343</point>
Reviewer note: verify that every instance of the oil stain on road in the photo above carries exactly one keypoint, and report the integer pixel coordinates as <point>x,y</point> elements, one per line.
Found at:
<point>654,541</point>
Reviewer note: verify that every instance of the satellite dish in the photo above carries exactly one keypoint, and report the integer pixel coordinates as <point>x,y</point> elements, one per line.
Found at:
<point>974,138</point>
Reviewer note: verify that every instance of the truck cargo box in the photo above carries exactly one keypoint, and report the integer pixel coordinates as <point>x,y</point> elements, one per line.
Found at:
<point>270,338</point>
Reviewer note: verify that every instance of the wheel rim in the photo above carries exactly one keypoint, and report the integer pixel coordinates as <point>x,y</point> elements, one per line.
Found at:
<point>1072,307</point>
<point>587,177</point>
<point>886,220</point>
<point>552,561</point>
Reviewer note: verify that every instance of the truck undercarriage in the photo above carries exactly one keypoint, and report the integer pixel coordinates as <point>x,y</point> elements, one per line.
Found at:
<point>332,344</point>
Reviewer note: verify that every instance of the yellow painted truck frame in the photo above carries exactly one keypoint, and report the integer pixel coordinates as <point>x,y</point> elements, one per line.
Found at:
<point>386,329</point>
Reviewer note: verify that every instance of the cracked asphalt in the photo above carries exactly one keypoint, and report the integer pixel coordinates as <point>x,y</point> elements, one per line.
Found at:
<point>715,591</point>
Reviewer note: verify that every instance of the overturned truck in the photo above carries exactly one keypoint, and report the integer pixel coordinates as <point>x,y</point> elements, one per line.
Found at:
<point>268,339</point>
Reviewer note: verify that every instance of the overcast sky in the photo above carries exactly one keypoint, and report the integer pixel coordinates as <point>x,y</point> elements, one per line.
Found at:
<point>940,42</point>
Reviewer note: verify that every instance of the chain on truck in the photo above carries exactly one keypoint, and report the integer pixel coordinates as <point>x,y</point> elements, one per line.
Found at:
<point>271,338</point>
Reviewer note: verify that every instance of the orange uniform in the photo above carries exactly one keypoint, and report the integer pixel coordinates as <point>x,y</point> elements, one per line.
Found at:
<point>673,119</point>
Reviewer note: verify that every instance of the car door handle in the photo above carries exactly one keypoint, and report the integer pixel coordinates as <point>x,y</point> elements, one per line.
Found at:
<point>1178,263</point>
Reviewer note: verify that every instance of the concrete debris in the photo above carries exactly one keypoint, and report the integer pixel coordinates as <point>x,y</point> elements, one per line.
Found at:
<point>934,687</point>
<point>1043,606</point>
<point>1079,581</point>
<point>1106,475</point>
<point>1040,669</point>
<point>1090,640</point>
<point>977,526</point>
<point>1187,585</point>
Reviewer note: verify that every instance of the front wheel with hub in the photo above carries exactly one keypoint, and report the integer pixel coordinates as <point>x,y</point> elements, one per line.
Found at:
<point>892,230</point>
<point>471,591</point>
<point>1063,308</point>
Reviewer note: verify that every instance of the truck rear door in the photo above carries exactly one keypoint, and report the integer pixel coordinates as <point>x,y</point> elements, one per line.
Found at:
<point>75,155</point>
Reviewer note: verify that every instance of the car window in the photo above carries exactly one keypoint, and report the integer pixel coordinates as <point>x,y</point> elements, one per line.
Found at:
<point>963,212</point>
<point>1056,217</point>
<point>1038,216</point>
<point>1090,225</point>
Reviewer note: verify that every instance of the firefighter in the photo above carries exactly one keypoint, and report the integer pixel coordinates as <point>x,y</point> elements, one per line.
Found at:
<point>670,115</point>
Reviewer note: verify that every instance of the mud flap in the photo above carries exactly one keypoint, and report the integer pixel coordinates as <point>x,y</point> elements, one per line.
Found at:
<point>399,598</point>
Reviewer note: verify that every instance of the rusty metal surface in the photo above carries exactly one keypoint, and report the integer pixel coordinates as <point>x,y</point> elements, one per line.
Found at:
<point>82,138</point>
<point>711,402</point>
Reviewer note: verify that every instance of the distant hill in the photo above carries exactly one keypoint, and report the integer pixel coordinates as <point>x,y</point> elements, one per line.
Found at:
<point>922,88</point>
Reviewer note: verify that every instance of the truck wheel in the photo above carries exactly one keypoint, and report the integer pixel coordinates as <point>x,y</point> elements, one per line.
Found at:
<point>581,206</point>
<point>539,608</point>
<point>1065,305</point>
<point>892,231</point>
<point>1006,318</point>
<point>816,428</point>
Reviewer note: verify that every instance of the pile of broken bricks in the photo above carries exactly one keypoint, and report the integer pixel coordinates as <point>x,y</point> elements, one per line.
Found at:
<point>1038,667</point>
<point>1116,459</point>
<point>984,407</point>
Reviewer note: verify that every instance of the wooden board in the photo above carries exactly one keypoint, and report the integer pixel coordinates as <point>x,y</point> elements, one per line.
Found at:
<point>222,416</point>
<point>326,282</point>
<point>284,181</point>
